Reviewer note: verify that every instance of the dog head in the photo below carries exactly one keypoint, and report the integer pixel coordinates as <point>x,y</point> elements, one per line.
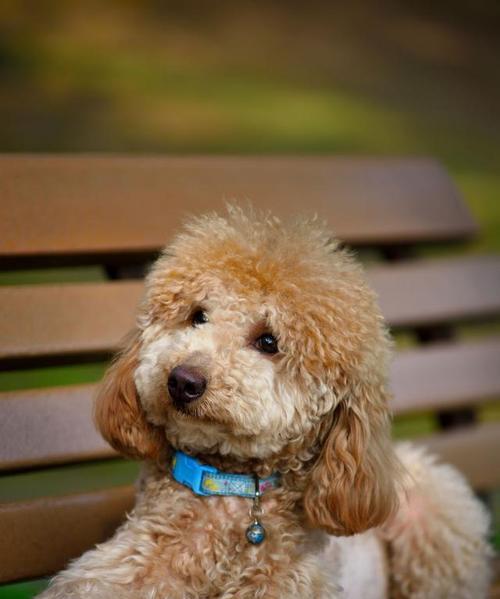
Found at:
<point>263,343</point>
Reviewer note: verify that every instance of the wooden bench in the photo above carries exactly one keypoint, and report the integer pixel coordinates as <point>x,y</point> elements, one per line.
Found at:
<point>116,212</point>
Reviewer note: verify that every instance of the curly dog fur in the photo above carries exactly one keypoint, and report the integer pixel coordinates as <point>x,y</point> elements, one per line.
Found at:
<point>399,524</point>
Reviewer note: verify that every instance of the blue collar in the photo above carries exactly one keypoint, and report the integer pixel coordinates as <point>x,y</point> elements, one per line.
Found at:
<point>207,480</point>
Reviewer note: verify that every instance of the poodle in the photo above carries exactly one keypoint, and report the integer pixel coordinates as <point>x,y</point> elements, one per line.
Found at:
<point>254,389</point>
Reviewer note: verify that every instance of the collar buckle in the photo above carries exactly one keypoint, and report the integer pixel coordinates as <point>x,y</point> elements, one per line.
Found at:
<point>190,472</point>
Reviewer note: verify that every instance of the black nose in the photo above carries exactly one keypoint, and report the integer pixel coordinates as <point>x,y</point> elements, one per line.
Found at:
<point>186,384</point>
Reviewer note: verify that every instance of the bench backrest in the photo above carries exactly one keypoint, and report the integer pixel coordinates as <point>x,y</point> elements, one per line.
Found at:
<point>116,213</point>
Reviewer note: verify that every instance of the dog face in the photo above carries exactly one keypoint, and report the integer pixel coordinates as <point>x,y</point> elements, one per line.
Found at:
<point>258,340</point>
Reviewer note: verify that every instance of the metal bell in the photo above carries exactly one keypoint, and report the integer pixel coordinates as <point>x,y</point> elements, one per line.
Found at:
<point>255,533</point>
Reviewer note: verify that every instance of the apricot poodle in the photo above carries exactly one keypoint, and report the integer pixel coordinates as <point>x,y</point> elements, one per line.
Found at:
<point>254,389</point>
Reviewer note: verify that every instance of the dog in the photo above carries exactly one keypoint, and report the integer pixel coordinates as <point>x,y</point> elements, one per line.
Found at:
<point>254,389</point>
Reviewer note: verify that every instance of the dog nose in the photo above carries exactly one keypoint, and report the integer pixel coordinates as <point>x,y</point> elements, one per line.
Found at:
<point>185,384</point>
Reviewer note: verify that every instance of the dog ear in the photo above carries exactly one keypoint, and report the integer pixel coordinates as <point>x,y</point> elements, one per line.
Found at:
<point>117,410</point>
<point>353,484</point>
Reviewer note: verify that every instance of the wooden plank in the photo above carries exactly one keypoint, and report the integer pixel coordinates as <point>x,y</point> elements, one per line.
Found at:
<point>474,451</point>
<point>49,426</point>
<point>41,323</point>
<point>427,292</point>
<point>495,588</point>
<point>35,539</point>
<point>54,426</point>
<point>54,323</point>
<point>443,376</point>
<point>40,536</point>
<point>88,208</point>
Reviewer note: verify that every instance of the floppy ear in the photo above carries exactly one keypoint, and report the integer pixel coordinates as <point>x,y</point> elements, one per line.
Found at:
<point>353,484</point>
<point>118,413</point>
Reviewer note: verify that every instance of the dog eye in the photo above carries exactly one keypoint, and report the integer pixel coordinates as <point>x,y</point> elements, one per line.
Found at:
<point>267,343</point>
<point>199,317</point>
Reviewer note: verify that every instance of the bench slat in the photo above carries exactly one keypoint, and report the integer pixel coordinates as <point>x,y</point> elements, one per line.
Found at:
<point>443,376</point>
<point>94,208</point>
<point>49,426</point>
<point>40,536</point>
<point>426,292</point>
<point>474,451</point>
<point>54,425</point>
<point>35,540</point>
<point>44,323</point>
<point>50,323</point>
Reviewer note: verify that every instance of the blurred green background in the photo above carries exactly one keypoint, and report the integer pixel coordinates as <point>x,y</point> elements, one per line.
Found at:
<point>378,78</point>
<point>247,76</point>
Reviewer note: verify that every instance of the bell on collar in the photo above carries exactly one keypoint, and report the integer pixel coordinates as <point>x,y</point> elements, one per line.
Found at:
<point>255,533</point>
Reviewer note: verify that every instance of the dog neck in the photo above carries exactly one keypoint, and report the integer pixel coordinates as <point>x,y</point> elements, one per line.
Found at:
<point>296,457</point>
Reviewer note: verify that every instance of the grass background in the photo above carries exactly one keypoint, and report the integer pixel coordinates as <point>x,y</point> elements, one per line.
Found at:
<point>384,78</point>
